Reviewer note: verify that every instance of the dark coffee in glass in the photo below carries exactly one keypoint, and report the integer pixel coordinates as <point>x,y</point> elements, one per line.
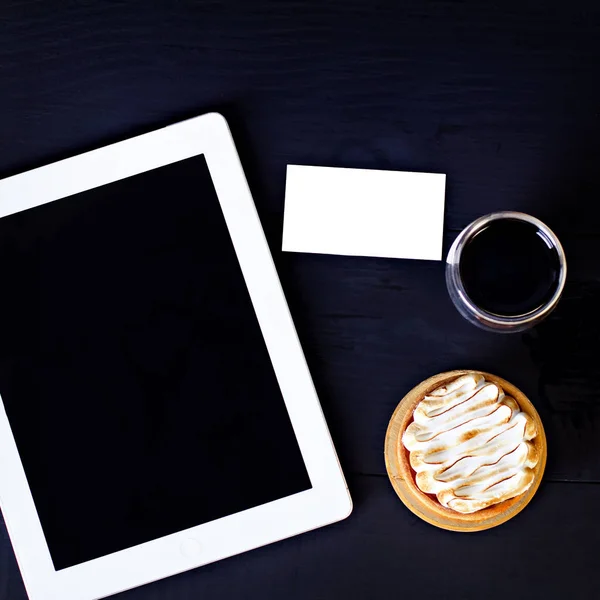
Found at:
<point>510,268</point>
<point>506,271</point>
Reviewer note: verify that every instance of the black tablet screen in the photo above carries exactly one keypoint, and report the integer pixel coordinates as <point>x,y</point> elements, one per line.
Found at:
<point>132,366</point>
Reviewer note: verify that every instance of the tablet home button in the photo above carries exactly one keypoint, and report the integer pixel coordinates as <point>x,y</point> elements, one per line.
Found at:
<point>190,548</point>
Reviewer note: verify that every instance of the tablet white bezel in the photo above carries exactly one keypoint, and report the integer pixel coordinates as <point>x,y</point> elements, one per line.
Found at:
<point>328,500</point>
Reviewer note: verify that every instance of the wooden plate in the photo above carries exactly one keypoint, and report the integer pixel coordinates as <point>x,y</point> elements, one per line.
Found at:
<point>427,507</point>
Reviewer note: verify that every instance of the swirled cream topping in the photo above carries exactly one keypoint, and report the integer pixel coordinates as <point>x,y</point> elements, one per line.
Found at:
<point>470,445</point>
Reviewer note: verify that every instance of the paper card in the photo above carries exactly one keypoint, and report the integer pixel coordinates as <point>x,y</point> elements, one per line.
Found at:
<point>362,212</point>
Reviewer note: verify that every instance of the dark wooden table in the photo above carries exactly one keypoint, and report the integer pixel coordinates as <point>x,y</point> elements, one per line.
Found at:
<point>505,101</point>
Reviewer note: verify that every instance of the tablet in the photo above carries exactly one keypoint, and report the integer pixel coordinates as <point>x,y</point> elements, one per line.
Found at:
<point>156,409</point>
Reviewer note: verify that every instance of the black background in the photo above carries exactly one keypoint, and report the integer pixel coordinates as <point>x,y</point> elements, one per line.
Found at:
<point>132,367</point>
<point>505,100</point>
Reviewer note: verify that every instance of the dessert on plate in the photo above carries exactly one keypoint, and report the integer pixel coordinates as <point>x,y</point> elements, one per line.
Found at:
<point>465,450</point>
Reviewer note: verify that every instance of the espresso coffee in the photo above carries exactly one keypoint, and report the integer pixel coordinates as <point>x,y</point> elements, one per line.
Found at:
<point>510,268</point>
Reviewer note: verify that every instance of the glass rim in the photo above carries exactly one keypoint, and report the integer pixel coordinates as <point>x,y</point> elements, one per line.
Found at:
<point>453,265</point>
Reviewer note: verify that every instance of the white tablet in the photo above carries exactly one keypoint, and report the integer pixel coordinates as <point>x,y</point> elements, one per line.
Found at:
<point>157,412</point>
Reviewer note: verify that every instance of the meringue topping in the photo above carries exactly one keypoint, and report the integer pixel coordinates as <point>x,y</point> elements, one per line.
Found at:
<point>470,445</point>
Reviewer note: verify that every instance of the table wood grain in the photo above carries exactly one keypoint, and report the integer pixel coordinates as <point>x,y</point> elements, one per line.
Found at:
<point>503,99</point>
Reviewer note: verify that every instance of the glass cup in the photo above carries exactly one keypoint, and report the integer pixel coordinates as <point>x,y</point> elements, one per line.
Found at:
<point>456,275</point>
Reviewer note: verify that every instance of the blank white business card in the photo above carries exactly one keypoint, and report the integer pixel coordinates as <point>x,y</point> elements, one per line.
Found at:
<point>363,212</point>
